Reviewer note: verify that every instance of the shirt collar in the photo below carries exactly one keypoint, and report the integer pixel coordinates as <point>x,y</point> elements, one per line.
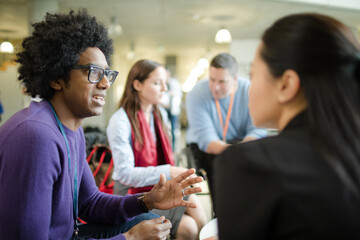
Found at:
<point>297,121</point>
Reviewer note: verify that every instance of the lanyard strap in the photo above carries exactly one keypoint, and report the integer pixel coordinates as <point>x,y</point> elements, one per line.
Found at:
<point>75,198</point>
<point>228,115</point>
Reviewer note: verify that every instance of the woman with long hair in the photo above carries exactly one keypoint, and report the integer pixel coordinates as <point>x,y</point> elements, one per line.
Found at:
<point>305,182</point>
<point>139,141</point>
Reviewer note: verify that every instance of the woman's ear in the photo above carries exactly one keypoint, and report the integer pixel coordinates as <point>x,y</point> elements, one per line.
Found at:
<point>56,84</point>
<point>289,86</point>
<point>137,85</point>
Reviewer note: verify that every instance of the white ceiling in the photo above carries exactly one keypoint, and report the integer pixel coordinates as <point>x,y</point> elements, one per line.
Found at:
<point>175,24</point>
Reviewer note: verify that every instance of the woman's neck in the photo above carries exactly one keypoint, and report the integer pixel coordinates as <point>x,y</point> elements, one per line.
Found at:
<point>289,114</point>
<point>147,108</point>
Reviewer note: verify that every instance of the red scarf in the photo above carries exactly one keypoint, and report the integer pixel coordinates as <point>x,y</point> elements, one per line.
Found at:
<point>151,153</point>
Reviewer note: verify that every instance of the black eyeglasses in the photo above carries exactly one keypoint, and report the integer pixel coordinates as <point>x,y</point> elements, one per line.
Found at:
<point>97,73</point>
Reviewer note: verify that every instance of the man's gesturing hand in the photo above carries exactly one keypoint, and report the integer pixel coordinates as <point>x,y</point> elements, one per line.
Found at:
<point>169,194</point>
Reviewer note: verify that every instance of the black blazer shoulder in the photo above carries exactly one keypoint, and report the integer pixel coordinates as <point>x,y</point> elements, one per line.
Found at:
<point>280,187</point>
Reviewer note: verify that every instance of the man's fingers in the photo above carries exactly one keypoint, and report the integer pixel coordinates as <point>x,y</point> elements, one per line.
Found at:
<point>187,204</point>
<point>162,180</point>
<point>156,220</point>
<point>181,177</point>
<point>166,224</point>
<point>189,191</point>
<point>164,234</point>
<point>191,181</point>
<point>163,223</point>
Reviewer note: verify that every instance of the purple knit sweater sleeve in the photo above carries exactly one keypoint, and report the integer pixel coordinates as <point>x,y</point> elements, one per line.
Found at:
<point>36,184</point>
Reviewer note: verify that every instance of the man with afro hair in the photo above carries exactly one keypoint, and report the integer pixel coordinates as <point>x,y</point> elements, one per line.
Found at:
<point>45,181</point>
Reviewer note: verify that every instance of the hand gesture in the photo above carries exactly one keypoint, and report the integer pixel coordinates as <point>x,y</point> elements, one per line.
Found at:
<point>169,194</point>
<point>175,171</point>
<point>157,228</point>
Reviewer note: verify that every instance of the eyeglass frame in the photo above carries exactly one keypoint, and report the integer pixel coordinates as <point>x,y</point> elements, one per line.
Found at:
<point>91,66</point>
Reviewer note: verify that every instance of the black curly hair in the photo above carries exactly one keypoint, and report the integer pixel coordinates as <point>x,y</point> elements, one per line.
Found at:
<point>55,46</point>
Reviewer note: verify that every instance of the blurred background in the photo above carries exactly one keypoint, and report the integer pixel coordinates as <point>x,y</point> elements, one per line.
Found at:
<point>180,34</point>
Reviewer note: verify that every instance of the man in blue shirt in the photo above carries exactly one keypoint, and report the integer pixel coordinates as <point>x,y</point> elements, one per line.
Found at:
<point>217,112</point>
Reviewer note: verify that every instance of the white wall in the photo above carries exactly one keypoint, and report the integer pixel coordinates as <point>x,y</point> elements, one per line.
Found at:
<point>11,96</point>
<point>244,52</point>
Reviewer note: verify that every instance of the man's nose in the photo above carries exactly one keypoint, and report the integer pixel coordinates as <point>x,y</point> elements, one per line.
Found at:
<point>216,86</point>
<point>164,87</point>
<point>104,82</point>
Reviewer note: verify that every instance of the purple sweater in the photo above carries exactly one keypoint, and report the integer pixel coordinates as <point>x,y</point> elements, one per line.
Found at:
<point>36,185</point>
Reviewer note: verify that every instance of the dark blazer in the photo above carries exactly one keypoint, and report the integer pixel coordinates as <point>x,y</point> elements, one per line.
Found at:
<point>280,187</point>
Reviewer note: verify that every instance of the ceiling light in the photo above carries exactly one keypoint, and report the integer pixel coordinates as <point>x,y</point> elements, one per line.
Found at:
<point>160,48</point>
<point>223,36</point>
<point>6,47</point>
<point>115,28</point>
<point>203,63</point>
<point>195,73</point>
<point>130,55</point>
